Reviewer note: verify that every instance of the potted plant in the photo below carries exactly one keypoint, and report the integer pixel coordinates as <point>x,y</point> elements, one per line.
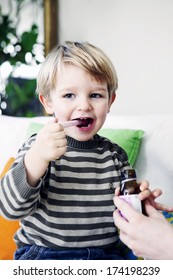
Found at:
<point>18,93</point>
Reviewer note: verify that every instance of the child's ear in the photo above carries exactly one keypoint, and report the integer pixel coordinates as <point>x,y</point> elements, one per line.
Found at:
<point>112,99</point>
<point>47,104</point>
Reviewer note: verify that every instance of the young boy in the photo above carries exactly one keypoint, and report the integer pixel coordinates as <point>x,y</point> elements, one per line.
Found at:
<point>62,183</point>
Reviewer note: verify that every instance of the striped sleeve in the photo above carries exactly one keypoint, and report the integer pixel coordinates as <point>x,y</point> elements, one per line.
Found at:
<point>17,198</point>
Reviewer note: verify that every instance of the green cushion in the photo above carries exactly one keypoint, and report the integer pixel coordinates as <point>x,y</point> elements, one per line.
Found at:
<point>33,128</point>
<point>128,139</point>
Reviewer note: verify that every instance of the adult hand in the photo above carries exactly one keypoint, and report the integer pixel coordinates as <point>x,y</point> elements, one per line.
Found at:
<point>147,236</point>
<point>151,196</point>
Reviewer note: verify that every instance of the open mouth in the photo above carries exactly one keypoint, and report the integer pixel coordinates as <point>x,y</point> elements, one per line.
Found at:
<point>84,122</point>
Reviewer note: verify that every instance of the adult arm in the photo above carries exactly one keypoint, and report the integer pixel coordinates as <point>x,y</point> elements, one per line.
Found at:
<point>149,236</point>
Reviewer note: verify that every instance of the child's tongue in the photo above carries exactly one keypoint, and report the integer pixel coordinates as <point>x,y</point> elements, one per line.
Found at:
<point>85,122</point>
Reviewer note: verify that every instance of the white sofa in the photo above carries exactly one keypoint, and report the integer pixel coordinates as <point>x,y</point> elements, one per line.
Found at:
<point>155,159</point>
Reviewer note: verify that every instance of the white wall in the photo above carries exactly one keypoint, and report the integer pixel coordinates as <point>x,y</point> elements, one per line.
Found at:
<point>138,37</point>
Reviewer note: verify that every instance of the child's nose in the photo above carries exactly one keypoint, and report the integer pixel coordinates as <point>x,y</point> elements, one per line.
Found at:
<point>84,105</point>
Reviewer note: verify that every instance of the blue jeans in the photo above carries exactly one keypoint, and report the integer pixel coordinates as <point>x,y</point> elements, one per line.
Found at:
<point>34,252</point>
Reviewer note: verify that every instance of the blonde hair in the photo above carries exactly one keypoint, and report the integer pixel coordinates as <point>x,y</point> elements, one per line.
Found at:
<point>81,54</point>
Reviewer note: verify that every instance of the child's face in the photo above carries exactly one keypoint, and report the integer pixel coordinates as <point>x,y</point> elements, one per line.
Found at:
<point>78,95</point>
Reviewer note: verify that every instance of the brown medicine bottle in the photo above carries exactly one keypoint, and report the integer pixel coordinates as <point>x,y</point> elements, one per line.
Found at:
<point>130,186</point>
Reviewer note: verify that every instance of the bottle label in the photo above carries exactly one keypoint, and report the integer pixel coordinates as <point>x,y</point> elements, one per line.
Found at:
<point>124,182</point>
<point>134,201</point>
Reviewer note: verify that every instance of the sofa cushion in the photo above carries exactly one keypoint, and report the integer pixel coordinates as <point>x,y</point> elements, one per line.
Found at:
<point>128,139</point>
<point>7,228</point>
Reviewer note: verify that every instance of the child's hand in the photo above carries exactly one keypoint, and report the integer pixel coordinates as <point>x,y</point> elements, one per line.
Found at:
<point>51,142</point>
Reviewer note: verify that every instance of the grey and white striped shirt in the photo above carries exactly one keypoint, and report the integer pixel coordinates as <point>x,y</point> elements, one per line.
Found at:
<point>72,206</point>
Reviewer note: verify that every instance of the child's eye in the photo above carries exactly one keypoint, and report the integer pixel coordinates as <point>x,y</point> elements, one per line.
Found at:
<point>96,95</point>
<point>69,95</point>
